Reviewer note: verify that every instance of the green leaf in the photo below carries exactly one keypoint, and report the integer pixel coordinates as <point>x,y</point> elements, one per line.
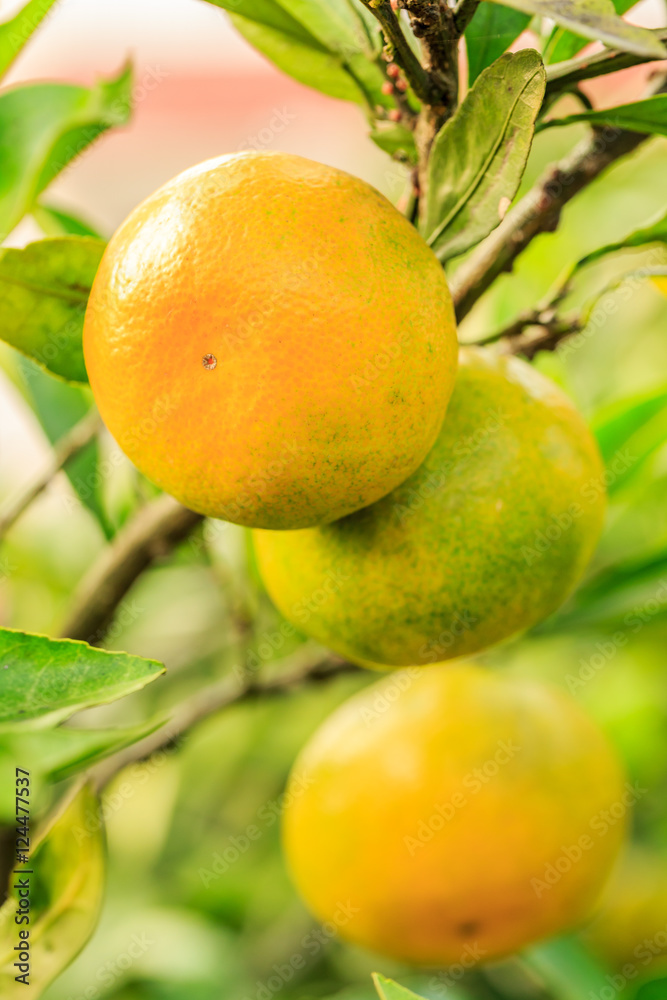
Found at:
<point>616,424</point>
<point>54,222</point>
<point>595,19</point>
<point>43,681</point>
<point>655,990</point>
<point>15,33</point>
<point>654,232</point>
<point>66,892</point>
<point>43,127</point>
<point>564,44</point>
<point>612,597</point>
<point>629,433</point>
<point>566,969</point>
<point>649,115</point>
<point>44,290</point>
<point>59,406</point>
<point>490,33</point>
<point>479,155</point>
<point>331,48</point>
<point>395,139</point>
<point>389,990</point>
<point>59,753</point>
<point>306,62</point>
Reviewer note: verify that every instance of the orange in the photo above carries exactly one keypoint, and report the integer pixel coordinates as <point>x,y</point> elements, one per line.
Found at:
<point>487,538</point>
<point>270,341</point>
<point>453,812</point>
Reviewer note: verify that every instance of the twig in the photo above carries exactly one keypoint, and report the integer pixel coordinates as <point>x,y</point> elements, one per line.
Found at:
<point>564,75</point>
<point>432,22</point>
<point>66,448</point>
<point>151,534</point>
<point>403,55</point>
<point>520,337</point>
<point>528,344</point>
<point>215,697</point>
<point>534,331</point>
<point>464,13</point>
<point>538,212</point>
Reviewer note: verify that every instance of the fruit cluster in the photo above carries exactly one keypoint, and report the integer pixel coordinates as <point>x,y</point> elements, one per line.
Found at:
<point>291,342</point>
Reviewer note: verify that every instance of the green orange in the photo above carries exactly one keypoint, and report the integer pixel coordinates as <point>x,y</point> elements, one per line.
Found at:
<point>487,538</point>
<point>454,812</point>
<point>270,341</point>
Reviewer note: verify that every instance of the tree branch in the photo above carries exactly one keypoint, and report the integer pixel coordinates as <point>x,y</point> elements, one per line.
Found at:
<point>464,13</point>
<point>538,212</point>
<point>528,344</point>
<point>433,24</point>
<point>521,336</point>
<point>66,448</point>
<point>403,55</point>
<point>216,697</point>
<point>151,534</point>
<point>565,75</point>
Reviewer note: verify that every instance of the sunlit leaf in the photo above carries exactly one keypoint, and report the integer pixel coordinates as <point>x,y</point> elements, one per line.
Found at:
<point>59,753</point>
<point>595,19</point>
<point>566,969</point>
<point>43,127</point>
<point>479,155</point>
<point>43,681</point>
<point>490,33</point>
<point>16,32</point>
<point>332,48</point>
<point>616,424</point>
<point>66,890</point>
<point>612,598</point>
<point>389,990</point>
<point>564,44</point>
<point>654,232</point>
<point>44,290</point>
<point>55,222</point>
<point>649,116</point>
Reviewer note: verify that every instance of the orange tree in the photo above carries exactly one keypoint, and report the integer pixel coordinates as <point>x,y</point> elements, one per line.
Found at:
<point>476,197</point>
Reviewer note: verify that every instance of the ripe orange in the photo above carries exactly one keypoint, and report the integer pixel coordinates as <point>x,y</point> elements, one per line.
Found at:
<point>454,812</point>
<point>270,341</point>
<point>487,537</point>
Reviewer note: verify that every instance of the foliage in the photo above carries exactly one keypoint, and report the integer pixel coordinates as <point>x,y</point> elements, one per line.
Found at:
<point>203,609</point>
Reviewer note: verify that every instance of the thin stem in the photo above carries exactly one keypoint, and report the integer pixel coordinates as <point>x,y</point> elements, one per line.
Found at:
<point>564,75</point>
<point>216,697</point>
<point>464,13</point>
<point>520,336</point>
<point>151,534</point>
<point>65,449</point>
<point>432,22</point>
<point>403,55</point>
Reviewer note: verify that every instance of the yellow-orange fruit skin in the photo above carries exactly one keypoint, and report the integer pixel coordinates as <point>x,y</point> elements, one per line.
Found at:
<point>485,539</point>
<point>452,811</point>
<point>329,321</point>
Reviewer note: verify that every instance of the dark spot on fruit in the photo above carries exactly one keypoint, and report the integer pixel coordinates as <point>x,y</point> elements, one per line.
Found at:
<point>468,928</point>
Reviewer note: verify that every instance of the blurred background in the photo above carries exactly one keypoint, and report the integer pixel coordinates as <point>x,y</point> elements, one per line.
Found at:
<point>196,910</point>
